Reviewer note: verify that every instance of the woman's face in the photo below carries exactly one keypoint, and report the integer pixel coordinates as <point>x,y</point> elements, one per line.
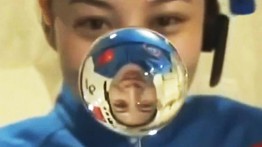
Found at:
<point>77,23</point>
<point>132,96</point>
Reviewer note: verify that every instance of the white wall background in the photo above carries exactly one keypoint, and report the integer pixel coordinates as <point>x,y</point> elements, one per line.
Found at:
<point>242,74</point>
<point>30,77</point>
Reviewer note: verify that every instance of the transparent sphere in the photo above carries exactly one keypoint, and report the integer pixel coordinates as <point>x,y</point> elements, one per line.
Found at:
<point>133,81</point>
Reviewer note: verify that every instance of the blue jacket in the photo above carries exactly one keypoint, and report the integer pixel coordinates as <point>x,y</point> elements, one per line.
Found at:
<point>204,121</point>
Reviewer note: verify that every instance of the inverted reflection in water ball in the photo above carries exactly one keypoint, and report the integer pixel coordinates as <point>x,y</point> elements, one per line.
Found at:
<point>133,81</point>
<point>132,96</point>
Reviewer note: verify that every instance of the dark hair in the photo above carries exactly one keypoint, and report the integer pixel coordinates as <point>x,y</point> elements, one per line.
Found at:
<point>211,12</point>
<point>211,8</point>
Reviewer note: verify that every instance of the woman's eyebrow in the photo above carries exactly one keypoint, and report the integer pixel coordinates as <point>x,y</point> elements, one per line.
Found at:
<point>165,1</point>
<point>97,3</point>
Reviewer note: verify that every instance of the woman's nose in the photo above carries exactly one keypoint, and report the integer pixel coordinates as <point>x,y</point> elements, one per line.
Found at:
<point>134,19</point>
<point>135,92</point>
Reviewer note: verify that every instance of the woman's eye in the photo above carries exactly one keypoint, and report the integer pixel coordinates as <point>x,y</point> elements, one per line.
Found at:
<point>166,24</point>
<point>165,21</point>
<point>92,27</point>
<point>95,24</point>
<point>146,107</point>
<point>120,105</point>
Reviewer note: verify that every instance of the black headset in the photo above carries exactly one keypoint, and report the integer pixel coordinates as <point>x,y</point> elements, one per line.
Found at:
<point>215,38</point>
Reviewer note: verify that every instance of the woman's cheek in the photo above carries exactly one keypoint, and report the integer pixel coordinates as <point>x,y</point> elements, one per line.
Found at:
<point>72,50</point>
<point>188,46</point>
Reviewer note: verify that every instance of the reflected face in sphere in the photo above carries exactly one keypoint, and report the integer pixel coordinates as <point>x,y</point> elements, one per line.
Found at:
<point>132,96</point>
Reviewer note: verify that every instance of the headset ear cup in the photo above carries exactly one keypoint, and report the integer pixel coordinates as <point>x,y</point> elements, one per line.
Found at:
<point>209,35</point>
<point>221,33</point>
